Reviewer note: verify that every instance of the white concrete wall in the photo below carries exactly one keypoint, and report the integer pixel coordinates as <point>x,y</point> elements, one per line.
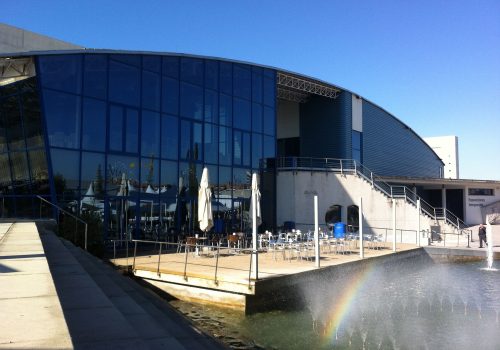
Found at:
<point>295,192</point>
<point>446,147</point>
<point>474,204</point>
<point>357,113</point>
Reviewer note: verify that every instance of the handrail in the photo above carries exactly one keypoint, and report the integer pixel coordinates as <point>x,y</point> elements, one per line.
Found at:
<point>392,191</point>
<point>217,248</point>
<point>67,213</point>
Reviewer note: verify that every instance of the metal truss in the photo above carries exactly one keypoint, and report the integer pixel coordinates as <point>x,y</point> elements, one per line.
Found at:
<point>292,95</point>
<point>15,69</point>
<point>298,84</point>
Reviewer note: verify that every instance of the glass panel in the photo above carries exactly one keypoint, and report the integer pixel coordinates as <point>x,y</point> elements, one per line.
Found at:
<point>150,173</point>
<point>197,141</point>
<point>62,114</point>
<point>237,147</point>
<point>269,73</point>
<point>169,136</point>
<point>256,117</point>
<point>211,74</point>
<point>171,66</point>
<point>5,180</point>
<point>115,128</point>
<point>151,63</point>
<point>226,78</point>
<point>151,90</point>
<point>241,197</point>
<point>32,120</point>
<point>12,119</point>
<point>242,81</point>
<point>133,60</point>
<point>95,76</point>
<point>269,121</point>
<point>246,150</point>
<point>169,191</point>
<point>256,150</point>
<point>66,171</point>
<point>269,92</point>
<point>120,167</point>
<point>39,172</point>
<point>24,207</point>
<point>211,143</point>
<point>192,70</point>
<point>170,95</point>
<point>211,106</point>
<point>223,193</point>
<point>191,101</point>
<point>191,175</point>
<point>169,179</point>
<point>61,72</point>
<point>185,141</point>
<point>93,172</point>
<point>150,146</point>
<point>124,83</point>
<point>225,110</point>
<point>94,125</point>
<point>269,147</point>
<point>242,119</point>
<point>132,127</point>
<point>3,130</point>
<point>225,145</point>
<point>256,85</point>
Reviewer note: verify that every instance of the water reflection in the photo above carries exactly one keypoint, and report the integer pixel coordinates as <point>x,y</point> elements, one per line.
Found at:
<point>409,307</point>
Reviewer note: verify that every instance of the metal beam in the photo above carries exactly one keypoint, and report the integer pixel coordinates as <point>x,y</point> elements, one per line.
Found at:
<point>15,69</point>
<point>290,82</point>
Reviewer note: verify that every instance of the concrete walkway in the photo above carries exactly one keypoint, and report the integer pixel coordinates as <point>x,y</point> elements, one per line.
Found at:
<point>57,296</point>
<point>31,314</point>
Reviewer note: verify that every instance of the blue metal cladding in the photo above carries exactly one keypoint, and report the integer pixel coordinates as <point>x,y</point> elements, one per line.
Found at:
<point>325,127</point>
<point>391,148</point>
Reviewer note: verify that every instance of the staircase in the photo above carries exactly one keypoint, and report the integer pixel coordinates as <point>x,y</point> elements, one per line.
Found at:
<point>104,309</point>
<point>441,216</point>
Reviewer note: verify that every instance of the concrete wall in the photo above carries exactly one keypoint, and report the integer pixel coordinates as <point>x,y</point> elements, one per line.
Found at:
<point>13,40</point>
<point>296,189</point>
<point>446,148</point>
<point>475,205</point>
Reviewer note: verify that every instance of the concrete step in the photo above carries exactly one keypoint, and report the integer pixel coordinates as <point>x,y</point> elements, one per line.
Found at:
<point>92,319</point>
<point>150,316</point>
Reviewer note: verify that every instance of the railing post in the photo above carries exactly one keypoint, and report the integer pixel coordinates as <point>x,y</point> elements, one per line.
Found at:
<point>86,230</point>
<point>159,259</point>
<point>114,252</point>
<point>371,176</point>
<point>341,167</point>
<point>186,248</point>
<point>217,263</point>
<point>135,254</point>
<point>355,169</point>
<point>76,232</point>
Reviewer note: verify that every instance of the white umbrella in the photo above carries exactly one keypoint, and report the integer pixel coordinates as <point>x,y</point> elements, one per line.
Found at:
<point>205,218</point>
<point>256,220</point>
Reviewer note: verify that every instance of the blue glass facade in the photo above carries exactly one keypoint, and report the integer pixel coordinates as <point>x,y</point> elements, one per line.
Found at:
<point>127,136</point>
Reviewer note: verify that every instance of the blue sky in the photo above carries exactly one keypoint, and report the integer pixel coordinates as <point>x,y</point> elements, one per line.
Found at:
<point>433,64</point>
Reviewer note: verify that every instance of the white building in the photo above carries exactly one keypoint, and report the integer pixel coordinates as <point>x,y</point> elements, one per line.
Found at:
<point>446,147</point>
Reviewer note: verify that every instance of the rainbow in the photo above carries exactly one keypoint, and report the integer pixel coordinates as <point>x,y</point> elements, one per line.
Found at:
<point>344,302</point>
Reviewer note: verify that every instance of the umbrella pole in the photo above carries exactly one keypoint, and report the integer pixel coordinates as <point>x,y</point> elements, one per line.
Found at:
<point>255,263</point>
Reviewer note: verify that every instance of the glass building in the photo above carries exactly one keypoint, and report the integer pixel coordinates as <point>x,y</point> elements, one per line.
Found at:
<point>124,136</point>
<point>127,136</point>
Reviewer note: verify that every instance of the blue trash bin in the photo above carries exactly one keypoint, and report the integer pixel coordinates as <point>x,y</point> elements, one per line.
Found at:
<point>339,230</point>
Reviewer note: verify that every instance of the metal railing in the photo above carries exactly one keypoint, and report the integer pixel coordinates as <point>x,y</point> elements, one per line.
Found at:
<point>391,191</point>
<point>163,248</point>
<point>64,212</point>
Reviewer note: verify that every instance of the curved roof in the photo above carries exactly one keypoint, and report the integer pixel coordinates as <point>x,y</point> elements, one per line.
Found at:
<point>130,52</point>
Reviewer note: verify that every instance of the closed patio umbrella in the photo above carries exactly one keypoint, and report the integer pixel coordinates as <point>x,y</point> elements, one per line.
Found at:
<point>256,220</point>
<point>205,218</point>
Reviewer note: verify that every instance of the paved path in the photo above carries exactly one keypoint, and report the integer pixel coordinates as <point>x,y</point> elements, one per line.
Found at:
<point>56,296</point>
